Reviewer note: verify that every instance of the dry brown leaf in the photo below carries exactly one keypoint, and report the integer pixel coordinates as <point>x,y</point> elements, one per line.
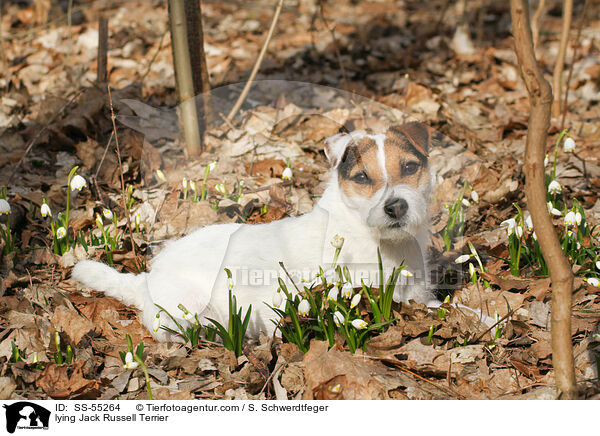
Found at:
<point>166,394</point>
<point>506,283</point>
<point>351,376</point>
<point>73,324</point>
<point>266,167</point>
<point>489,301</point>
<point>63,382</point>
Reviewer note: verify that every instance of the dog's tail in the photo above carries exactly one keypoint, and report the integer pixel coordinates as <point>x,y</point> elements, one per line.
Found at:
<point>131,289</point>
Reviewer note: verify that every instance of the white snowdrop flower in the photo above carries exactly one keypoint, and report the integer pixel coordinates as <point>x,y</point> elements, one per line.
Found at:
<point>107,214</point>
<point>333,294</point>
<point>337,242</point>
<point>534,236</point>
<point>598,264</point>
<point>220,187</point>
<point>594,282</point>
<point>463,258</point>
<point>45,210</point>
<point>570,234</point>
<point>465,202</point>
<point>406,273</point>
<point>471,270</point>
<point>554,187</point>
<point>61,232</point>
<point>161,176</point>
<point>578,218</point>
<point>546,161</point>
<point>355,300</point>
<point>347,290</point>
<point>4,207</point>
<point>277,299</point>
<point>184,183</point>
<point>129,362</point>
<point>193,186</point>
<point>156,323</point>
<point>509,225</point>
<point>552,210</point>
<point>99,221</point>
<point>287,174</point>
<point>338,318</point>
<point>475,196</point>
<point>519,231</point>
<point>570,219</point>
<point>137,218</point>
<point>230,283</point>
<point>303,308</point>
<point>211,166</point>
<point>528,224</point>
<point>78,183</point>
<point>359,324</point>
<point>569,145</point>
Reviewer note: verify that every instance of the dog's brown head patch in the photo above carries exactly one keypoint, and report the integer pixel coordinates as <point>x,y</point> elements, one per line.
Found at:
<point>400,157</point>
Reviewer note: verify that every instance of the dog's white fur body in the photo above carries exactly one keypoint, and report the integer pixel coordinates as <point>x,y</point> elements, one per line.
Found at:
<point>190,271</point>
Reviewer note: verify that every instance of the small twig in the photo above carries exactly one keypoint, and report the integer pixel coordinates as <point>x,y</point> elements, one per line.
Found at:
<point>335,44</point>
<point>510,312</point>
<point>226,120</point>
<point>447,391</point>
<point>162,38</point>
<point>570,75</point>
<point>246,90</point>
<point>37,135</point>
<point>278,367</point>
<point>104,154</point>
<point>289,277</point>
<point>123,193</point>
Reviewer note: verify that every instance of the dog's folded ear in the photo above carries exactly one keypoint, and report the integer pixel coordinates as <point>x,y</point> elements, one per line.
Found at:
<point>335,146</point>
<point>418,135</point>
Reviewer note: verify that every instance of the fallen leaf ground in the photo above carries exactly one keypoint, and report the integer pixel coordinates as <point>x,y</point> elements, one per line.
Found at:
<point>404,55</point>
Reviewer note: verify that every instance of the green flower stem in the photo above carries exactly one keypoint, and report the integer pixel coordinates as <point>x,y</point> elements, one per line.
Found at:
<point>66,223</point>
<point>146,375</point>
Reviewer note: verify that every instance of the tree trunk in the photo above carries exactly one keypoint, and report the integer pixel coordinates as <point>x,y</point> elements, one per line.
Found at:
<point>540,98</point>
<point>195,37</point>
<point>188,117</point>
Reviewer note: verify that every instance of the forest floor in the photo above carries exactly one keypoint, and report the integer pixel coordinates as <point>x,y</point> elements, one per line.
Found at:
<point>402,60</point>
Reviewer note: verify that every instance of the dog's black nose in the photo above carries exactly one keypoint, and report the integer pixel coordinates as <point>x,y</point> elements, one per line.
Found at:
<point>395,208</point>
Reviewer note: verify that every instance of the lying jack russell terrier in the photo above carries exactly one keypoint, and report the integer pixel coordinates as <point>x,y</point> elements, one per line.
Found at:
<point>377,196</point>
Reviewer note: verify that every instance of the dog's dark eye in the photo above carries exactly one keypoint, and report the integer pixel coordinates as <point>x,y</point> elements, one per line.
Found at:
<point>409,168</point>
<point>361,178</point>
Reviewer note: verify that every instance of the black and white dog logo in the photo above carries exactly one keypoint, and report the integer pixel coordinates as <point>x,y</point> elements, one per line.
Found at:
<point>26,415</point>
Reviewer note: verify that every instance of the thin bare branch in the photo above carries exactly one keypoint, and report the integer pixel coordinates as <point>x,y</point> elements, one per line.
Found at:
<point>560,57</point>
<point>123,193</point>
<point>535,22</point>
<point>570,75</point>
<point>246,90</point>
